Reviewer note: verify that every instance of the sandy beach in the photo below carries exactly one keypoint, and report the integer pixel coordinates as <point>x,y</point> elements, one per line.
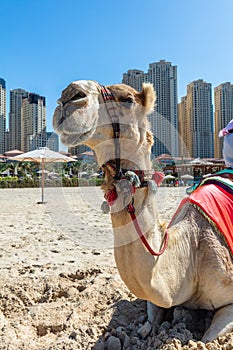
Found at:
<point>59,286</point>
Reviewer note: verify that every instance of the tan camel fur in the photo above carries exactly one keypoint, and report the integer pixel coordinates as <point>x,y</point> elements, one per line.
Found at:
<point>196,269</point>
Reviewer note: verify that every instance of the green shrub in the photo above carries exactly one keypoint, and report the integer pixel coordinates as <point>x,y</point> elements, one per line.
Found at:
<point>27,182</point>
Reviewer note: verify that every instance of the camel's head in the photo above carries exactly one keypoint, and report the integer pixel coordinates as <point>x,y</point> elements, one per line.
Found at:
<point>83,117</point>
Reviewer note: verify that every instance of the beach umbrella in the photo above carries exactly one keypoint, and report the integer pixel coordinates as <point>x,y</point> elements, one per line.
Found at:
<point>41,171</point>
<point>6,172</point>
<point>169,177</point>
<point>95,174</point>
<point>43,155</point>
<point>187,177</point>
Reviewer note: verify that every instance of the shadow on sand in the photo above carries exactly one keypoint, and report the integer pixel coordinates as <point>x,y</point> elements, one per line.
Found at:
<point>129,329</point>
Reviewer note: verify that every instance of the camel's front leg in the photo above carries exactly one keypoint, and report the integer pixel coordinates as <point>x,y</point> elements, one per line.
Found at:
<point>221,324</point>
<point>155,318</point>
<point>155,314</point>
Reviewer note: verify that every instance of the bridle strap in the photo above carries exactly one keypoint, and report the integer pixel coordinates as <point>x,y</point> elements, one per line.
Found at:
<point>108,97</point>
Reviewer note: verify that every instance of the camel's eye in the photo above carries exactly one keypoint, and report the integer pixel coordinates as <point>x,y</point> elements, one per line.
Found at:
<point>78,96</point>
<point>126,100</point>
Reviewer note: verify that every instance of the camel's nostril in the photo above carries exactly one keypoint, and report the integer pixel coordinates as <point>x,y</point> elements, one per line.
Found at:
<point>59,102</point>
<point>62,115</point>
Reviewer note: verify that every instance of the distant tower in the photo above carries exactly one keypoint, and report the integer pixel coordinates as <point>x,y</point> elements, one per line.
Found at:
<point>78,150</point>
<point>200,117</point>
<point>52,141</point>
<point>223,101</point>
<point>2,115</point>
<point>16,97</point>
<point>164,121</point>
<point>134,78</point>
<point>184,127</point>
<point>163,76</point>
<point>33,122</point>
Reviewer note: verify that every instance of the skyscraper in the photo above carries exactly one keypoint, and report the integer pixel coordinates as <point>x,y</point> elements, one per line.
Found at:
<point>52,141</point>
<point>134,78</point>
<point>163,76</point>
<point>16,97</point>
<point>164,121</point>
<point>199,115</point>
<point>223,101</point>
<point>2,114</point>
<point>33,122</point>
<point>184,127</point>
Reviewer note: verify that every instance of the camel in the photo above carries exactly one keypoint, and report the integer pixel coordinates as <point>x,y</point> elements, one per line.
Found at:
<point>194,267</point>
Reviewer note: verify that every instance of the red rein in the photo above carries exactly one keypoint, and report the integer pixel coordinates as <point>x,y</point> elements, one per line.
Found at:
<point>131,211</point>
<point>111,197</point>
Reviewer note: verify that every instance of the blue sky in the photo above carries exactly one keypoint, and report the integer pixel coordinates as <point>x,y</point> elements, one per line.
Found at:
<point>46,44</point>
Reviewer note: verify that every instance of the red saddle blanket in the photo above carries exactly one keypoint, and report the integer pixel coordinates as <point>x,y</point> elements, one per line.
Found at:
<point>214,198</point>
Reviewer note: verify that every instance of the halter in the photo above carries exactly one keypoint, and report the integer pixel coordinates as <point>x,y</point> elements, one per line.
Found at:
<point>108,97</point>
<point>121,174</point>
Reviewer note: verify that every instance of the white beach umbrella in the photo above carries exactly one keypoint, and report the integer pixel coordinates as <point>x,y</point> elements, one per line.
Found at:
<point>43,155</point>
<point>40,172</point>
<point>6,172</point>
<point>169,177</point>
<point>95,174</point>
<point>187,177</point>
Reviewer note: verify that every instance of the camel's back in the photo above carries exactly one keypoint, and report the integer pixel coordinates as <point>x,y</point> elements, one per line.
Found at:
<point>213,260</point>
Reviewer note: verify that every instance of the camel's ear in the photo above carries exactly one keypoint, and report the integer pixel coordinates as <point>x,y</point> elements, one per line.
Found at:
<point>148,97</point>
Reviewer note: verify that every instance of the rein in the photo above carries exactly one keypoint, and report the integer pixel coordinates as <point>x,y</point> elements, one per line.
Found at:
<point>128,181</point>
<point>131,211</point>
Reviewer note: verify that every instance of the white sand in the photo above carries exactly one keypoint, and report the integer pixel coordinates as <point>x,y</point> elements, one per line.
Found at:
<point>68,229</point>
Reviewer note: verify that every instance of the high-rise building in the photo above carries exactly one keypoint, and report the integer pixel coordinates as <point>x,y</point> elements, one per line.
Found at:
<point>164,121</point>
<point>134,78</point>
<point>2,115</point>
<point>52,141</point>
<point>199,116</point>
<point>33,122</point>
<point>7,134</point>
<point>163,76</point>
<point>16,97</point>
<point>78,150</point>
<point>184,127</point>
<point>223,101</point>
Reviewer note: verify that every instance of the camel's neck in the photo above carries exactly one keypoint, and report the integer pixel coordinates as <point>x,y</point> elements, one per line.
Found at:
<point>148,276</point>
<point>145,275</point>
<point>145,210</point>
<point>132,258</point>
<point>143,198</point>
